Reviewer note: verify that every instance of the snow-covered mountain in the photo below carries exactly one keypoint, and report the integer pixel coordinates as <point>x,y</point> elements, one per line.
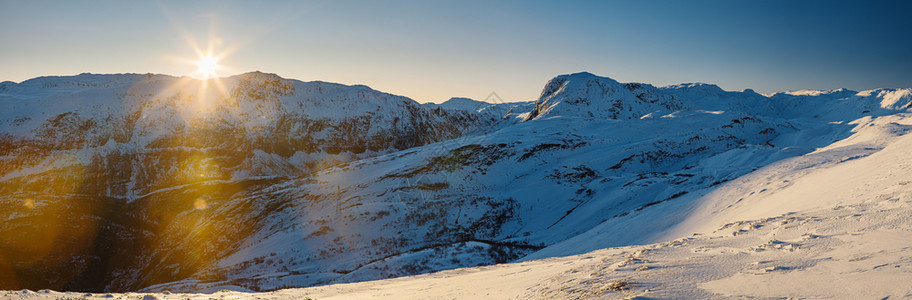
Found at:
<point>263,183</point>
<point>122,154</point>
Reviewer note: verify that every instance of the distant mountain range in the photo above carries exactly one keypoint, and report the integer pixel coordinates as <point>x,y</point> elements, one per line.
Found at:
<point>151,182</point>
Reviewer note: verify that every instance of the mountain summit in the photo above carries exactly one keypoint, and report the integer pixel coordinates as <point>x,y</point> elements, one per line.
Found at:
<point>590,96</point>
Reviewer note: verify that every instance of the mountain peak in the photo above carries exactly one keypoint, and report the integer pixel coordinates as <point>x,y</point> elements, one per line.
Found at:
<point>589,96</point>
<point>257,74</point>
<point>463,103</point>
<point>581,75</point>
<point>698,89</point>
<point>814,93</point>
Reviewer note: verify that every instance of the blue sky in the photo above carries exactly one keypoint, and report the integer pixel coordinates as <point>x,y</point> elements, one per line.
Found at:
<point>433,50</point>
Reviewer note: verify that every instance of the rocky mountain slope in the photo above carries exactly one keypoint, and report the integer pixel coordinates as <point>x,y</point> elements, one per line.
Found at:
<point>107,164</point>
<point>241,197</point>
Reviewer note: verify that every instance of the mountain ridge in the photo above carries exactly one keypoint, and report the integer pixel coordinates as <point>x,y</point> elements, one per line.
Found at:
<point>265,182</point>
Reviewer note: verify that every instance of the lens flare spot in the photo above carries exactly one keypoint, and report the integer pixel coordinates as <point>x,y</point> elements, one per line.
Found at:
<point>200,204</point>
<point>28,203</point>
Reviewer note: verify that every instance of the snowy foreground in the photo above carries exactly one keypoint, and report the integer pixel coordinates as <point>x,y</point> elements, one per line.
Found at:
<point>832,223</point>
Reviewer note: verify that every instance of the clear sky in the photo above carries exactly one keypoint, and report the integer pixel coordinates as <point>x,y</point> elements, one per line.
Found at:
<point>434,50</point>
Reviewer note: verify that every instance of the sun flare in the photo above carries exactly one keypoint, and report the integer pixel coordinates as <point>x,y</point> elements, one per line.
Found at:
<point>207,65</point>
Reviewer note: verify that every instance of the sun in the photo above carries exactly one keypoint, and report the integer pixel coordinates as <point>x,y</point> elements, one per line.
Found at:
<point>207,65</point>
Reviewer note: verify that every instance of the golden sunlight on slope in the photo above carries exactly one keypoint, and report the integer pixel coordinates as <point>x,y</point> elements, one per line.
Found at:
<point>49,225</point>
